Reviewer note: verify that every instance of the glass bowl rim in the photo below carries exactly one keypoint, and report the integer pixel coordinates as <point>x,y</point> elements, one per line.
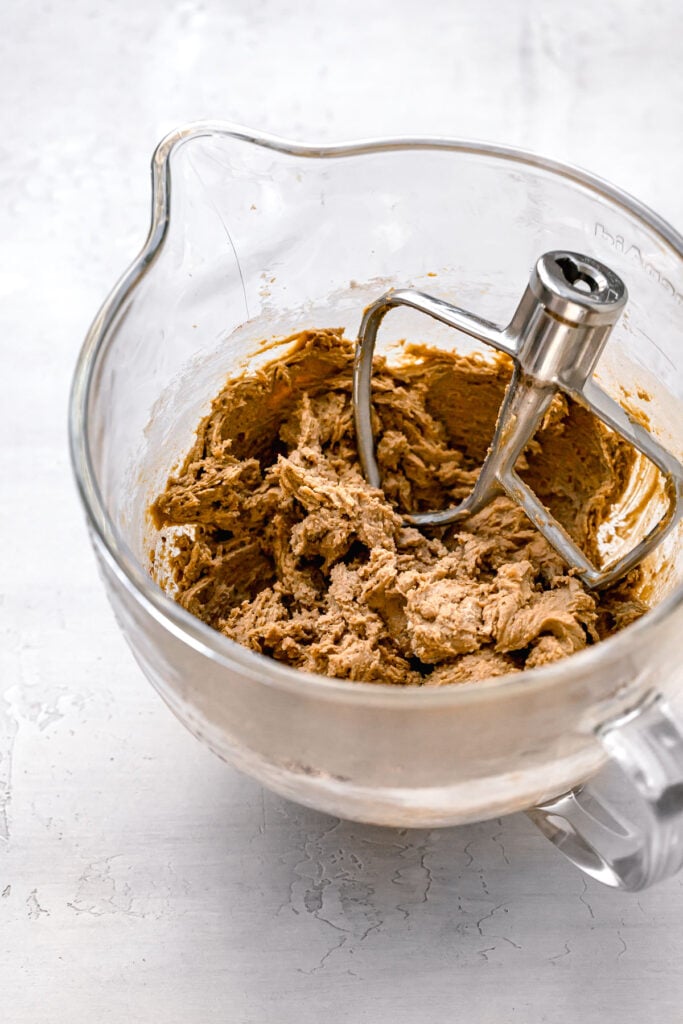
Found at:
<point>139,584</point>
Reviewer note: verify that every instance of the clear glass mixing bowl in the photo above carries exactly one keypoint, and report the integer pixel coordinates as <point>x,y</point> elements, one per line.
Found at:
<point>252,236</point>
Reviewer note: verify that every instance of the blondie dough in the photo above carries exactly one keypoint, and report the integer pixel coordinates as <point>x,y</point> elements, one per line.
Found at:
<point>270,533</point>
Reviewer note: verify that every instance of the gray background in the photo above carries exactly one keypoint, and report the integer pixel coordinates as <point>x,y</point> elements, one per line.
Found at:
<point>141,880</point>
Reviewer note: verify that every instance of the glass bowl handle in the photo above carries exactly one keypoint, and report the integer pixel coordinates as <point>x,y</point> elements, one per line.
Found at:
<point>629,834</point>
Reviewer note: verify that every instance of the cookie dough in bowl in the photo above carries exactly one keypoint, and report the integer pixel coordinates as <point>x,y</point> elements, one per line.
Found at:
<point>269,532</point>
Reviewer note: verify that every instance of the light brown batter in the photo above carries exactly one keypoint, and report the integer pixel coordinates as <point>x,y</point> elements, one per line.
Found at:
<point>286,549</point>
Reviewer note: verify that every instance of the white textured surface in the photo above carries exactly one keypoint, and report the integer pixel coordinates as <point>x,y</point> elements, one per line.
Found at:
<point>140,879</point>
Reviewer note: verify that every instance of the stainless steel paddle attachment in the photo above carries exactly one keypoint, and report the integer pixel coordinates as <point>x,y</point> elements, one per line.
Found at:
<point>555,339</point>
